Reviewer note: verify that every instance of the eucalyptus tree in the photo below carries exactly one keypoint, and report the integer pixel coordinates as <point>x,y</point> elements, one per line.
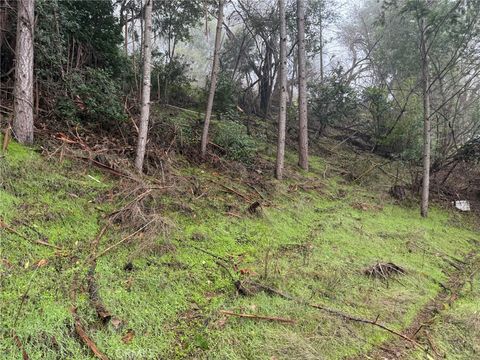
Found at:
<point>145,112</point>
<point>302,88</point>
<point>424,56</point>
<point>282,114</point>
<point>213,79</point>
<point>23,90</point>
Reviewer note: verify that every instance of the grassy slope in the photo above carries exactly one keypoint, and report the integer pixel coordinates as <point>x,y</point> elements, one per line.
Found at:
<point>313,244</point>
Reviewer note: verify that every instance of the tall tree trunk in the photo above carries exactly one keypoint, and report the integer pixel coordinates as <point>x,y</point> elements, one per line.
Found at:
<point>213,80</point>
<point>23,91</point>
<point>302,89</point>
<point>426,119</point>
<point>282,116</point>
<point>147,66</point>
<point>321,48</point>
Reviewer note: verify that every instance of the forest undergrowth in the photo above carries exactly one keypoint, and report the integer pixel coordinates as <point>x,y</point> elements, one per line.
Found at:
<point>220,261</point>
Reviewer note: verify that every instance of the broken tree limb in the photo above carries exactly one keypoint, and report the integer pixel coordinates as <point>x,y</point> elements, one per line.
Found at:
<point>243,196</point>
<point>93,292</point>
<point>82,334</point>
<point>122,241</point>
<point>258,317</point>
<point>79,329</point>
<point>20,346</point>
<point>336,313</point>
<point>10,229</point>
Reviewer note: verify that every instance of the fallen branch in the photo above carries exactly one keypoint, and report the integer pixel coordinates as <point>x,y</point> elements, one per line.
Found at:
<point>337,313</point>
<point>232,190</point>
<point>20,346</point>
<point>122,241</point>
<point>82,334</point>
<point>222,263</point>
<point>3,225</point>
<point>93,292</point>
<point>258,317</point>
<point>79,329</point>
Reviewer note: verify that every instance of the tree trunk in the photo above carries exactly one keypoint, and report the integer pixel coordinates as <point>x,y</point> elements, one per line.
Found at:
<point>282,116</point>
<point>23,91</point>
<point>302,89</point>
<point>321,49</point>
<point>145,113</point>
<point>213,80</point>
<point>426,120</point>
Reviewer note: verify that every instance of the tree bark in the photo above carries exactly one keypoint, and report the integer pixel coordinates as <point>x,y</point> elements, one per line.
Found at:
<point>426,120</point>
<point>302,89</point>
<point>23,91</point>
<point>282,116</point>
<point>321,49</point>
<point>147,66</point>
<point>213,80</point>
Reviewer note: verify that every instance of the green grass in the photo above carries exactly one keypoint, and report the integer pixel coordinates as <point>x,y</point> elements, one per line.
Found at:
<point>313,244</point>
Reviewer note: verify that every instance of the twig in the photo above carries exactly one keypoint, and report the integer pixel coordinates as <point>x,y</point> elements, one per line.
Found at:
<point>259,317</point>
<point>3,225</point>
<point>232,190</point>
<point>122,241</point>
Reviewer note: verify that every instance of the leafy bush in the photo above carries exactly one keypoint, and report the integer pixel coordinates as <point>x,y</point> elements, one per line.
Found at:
<point>232,137</point>
<point>93,97</point>
<point>332,102</point>
<point>171,79</point>
<point>225,94</point>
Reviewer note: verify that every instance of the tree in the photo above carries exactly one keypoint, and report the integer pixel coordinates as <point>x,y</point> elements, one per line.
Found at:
<point>282,116</point>
<point>302,88</point>
<point>147,66</point>
<point>23,91</point>
<point>426,116</point>
<point>213,79</point>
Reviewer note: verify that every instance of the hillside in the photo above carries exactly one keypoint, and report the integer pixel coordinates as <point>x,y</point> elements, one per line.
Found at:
<point>220,261</point>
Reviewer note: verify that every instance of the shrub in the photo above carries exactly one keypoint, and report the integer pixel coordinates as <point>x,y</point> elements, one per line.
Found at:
<point>332,102</point>
<point>93,97</point>
<point>226,94</point>
<point>232,137</point>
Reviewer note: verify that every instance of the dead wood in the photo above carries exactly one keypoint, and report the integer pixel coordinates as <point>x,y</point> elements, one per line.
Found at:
<point>335,312</point>
<point>222,262</point>
<point>10,229</point>
<point>79,329</point>
<point>82,334</point>
<point>93,292</point>
<point>243,196</point>
<point>6,138</point>
<point>122,241</point>
<point>20,346</point>
<point>258,317</point>
<point>383,271</point>
<point>254,208</point>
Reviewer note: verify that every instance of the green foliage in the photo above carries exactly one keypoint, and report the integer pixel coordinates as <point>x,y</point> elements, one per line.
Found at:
<point>93,97</point>
<point>397,134</point>
<point>333,102</point>
<point>226,93</point>
<point>232,137</point>
<point>171,81</point>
